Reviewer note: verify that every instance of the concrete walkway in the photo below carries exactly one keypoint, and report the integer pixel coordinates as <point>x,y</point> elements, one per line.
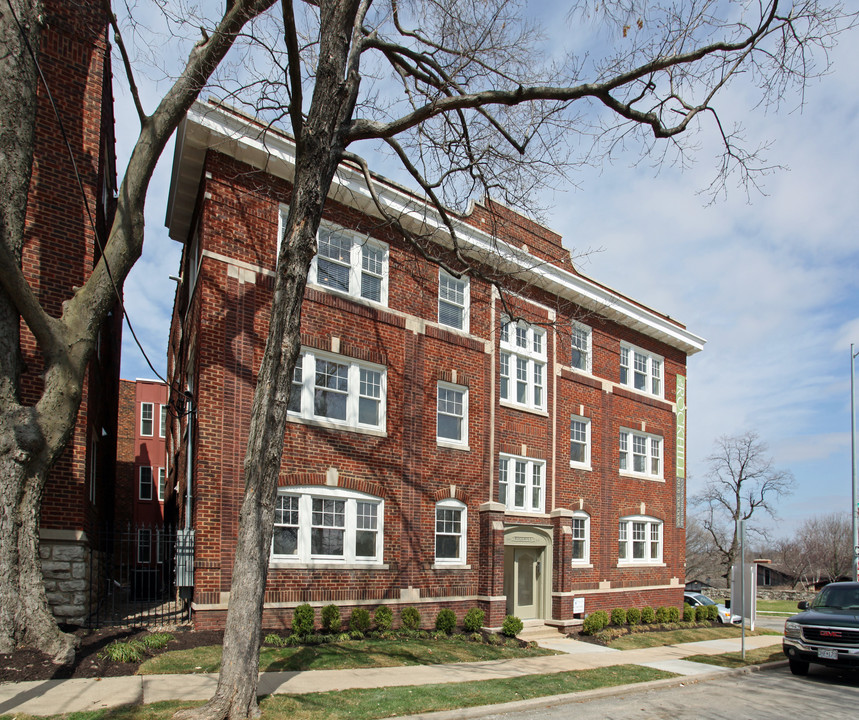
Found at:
<point>51,697</point>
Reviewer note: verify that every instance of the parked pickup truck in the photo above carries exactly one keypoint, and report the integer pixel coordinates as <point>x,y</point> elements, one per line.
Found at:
<point>827,631</point>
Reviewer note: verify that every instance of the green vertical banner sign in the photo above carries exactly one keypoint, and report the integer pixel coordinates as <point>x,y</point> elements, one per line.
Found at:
<point>680,483</point>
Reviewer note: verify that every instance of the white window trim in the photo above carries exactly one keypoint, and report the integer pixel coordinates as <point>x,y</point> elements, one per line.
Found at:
<point>648,455</point>
<point>306,415</point>
<point>533,359</point>
<point>162,473</point>
<point>509,462</point>
<point>630,376</point>
<point>151,407</point>
<point>462,443</point>
<point>303,558</point>
<point>466,301</point>
<point>589,362</point>
<point>586,560</point>
<point>357,242</point>
<point>647,560</point>
<point>140,482</point>
<point>586,465</point>
<point>162,421</point>
<point>461,561</point>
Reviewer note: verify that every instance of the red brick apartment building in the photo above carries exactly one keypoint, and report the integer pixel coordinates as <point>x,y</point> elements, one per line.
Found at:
<point>59,254</point>
<point>447,445</point>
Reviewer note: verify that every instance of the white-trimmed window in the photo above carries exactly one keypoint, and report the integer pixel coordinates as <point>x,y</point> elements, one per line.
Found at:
<point>351,264</point>
<point>162,424</point>
<point>144,546</point>
<point>453,300</point>
<point>452,415</point>
<point>313,525</point>
<point>523,365</point>
<point>450,525</point>
<point>146,419</point>
<point>580,442</point>
<point>639,540</point>
<point>145,488</point>
<point>640,453</point>
<point>641,370</point>
<point>521,483</point>
<point>581,538</point>
<point>334,389</point>
<point>162,483</point>
<point>581,350</point>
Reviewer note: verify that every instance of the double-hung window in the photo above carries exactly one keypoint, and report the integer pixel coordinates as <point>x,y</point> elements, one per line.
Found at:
<point>351,264</point>
<point>581,353</point>
<point>639,540</point>
<point>641,370</point>
<point>334,389</point>
<point>522,360</point>
<point>145,492</point>
<point>452,415</point>
<point>450,524</point>
<point>521,483</point>
<point>162,483</point>
<point>453,300</point>
<point>144,546</point>
<point>580,442</point>
<point>162,425</point>
<point>581,531</point>
<point>640,454</point>
<point>146,419</point>
<point>318,525</point>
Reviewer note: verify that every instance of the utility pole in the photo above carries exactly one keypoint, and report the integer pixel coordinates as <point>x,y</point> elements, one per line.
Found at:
<point>854,509</point>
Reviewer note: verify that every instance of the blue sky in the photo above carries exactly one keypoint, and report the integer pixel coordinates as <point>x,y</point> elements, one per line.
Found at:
<point>771,281</point>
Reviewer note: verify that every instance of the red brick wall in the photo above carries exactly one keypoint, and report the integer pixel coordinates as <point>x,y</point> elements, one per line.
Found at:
<point>228,316</point>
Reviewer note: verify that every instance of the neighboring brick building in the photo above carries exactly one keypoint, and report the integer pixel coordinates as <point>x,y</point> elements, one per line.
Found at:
<point>59,253</point>
<point>437,453</point>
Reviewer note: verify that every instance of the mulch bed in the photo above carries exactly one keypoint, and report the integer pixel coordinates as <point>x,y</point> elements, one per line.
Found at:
<point>30,664</point>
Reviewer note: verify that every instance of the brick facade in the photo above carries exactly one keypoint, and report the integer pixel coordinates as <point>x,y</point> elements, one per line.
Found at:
<point>58,255</point>
<point>217,340</point>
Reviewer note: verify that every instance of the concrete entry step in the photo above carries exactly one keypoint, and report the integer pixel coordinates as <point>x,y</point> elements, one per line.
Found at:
<point>534,630</point>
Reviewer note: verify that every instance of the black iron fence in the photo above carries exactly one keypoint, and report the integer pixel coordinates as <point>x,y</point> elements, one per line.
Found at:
<point>133,576</point>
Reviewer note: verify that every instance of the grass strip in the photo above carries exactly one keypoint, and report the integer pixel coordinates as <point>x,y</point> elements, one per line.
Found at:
<point>343,655</point>
<point>634,641</point>
<point>757,656</point>
<point>369,704</point>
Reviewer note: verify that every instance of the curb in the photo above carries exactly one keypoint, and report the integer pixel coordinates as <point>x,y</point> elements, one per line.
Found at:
<point>479,711</point>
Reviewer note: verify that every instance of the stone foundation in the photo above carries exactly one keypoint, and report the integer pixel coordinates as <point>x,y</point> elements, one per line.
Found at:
<point>66,569</point>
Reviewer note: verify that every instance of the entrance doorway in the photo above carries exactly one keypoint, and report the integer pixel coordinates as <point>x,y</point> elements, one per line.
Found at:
<point>527,573</point>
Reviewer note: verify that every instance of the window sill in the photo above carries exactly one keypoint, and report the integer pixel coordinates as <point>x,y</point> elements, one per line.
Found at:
<point>643,393</point>
<point>348,296</point>
<point>450,566</point>
<point>579,565</point>
<point>523,408</point>
<point>335,426</point>
<point>284,564</point>
<point>641,476</point>
<point>579,466</point>
<point>519,511</point>
<point>656,564</point>
<point>451,445</point>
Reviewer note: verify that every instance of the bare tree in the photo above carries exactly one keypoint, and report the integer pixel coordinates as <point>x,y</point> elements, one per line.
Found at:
<point>741,482</point>
<point>32,437</point>
<point>826,540</point>
<point>703,561</point>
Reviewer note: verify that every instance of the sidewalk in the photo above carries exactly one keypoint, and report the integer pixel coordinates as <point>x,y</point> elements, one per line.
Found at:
<point>52,697</point>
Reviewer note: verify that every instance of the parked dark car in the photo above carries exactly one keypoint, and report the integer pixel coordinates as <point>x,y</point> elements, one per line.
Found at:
<point>827,632</point>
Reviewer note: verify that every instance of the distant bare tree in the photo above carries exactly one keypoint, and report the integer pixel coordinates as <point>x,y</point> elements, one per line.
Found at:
<point>703,561</point>
<point>827,541</point>
<point>741,482</point>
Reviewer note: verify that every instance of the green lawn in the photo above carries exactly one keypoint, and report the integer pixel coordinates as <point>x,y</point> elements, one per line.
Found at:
<point>735,659</point>
<point>634,641</point>
<point>785,607</point>
<point>344,655</point>
<point>388,702</point>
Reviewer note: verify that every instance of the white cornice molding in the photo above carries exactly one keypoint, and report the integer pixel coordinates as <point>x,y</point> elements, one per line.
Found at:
<point>211,126</point>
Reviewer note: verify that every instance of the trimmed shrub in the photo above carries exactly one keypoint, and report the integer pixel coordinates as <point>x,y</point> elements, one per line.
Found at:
<point>384,618</point>
<point>712,612</point>
<point>648,616</point>
<point>701,613</point>
<point>618,616</point>
<point>359,620</point>
<point>445,621</point>
<point>511,626</point>
<point>411,618</point>
<point>473,620</point>
<point>595,622</point>
<point>331,619</point>
<point>633,616</point>
<point>356,635</point>
<point>662,614</point>
<point>688,613</point>
<point>302,620</point>
<point>275,640</point>
<point>673,614</point>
